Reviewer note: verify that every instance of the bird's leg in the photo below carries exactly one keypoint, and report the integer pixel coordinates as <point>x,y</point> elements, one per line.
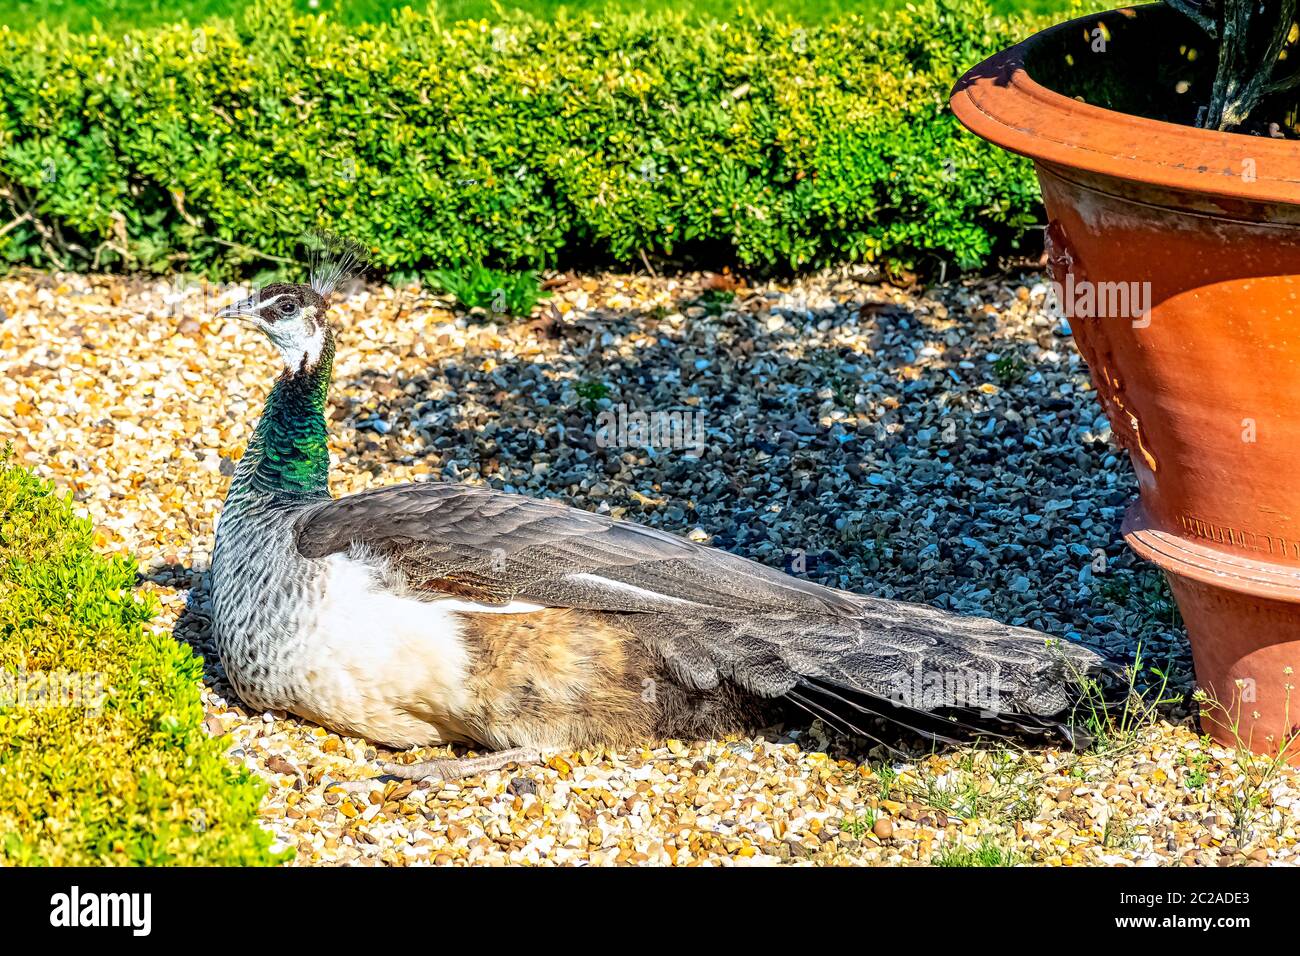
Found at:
<point>443,770</point>
<point>464,767</point>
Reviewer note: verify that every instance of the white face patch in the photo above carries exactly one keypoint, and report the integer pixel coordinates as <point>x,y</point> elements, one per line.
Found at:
<point>314,337</point>
<point>299,340</point>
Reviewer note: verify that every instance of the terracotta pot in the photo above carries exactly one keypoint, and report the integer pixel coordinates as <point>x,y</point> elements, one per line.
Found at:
<point>1176,251</point>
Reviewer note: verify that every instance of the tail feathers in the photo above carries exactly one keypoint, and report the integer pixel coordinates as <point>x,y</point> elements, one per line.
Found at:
<point>942,676</point>
<point>954,679</point>
<point>848,710</point>
<point>852,712</point>
<point>938,675</point>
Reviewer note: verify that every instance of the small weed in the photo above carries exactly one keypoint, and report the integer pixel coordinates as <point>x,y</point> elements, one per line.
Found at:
<point>1246,797</point>
<point>1113,728</point>
<point>987,853</point>
<point>843,386</point>
<point>1117,833</point>
<point>1010,370</point>
<point>859,826</point>
<point>1198,764</point>
<point>1145,594</point>
<point>715,301</point>
<point>591,392</point>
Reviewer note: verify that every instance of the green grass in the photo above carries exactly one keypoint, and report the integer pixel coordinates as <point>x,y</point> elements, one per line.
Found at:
<point>115,767</point>
<point>987,853</point>
<point>859,826</point>
<point>117,15</point>
<point>984,784</point>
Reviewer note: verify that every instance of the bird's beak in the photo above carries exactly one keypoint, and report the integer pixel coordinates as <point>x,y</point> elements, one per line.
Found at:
<point>246,310</point>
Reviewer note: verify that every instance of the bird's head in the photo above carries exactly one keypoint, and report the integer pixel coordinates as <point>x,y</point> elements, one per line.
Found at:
<point>293,315</point>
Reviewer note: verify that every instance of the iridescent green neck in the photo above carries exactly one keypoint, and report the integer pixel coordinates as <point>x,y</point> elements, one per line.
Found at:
<point>288,456</point>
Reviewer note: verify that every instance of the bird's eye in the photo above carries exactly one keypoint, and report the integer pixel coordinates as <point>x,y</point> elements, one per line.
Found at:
<point>286,308</point>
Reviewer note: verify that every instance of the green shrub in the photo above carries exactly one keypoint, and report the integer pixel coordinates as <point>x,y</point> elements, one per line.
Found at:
<point>496,291</point>
<point>514,145</point>
<point>126,774</point>
<point>118,15</point>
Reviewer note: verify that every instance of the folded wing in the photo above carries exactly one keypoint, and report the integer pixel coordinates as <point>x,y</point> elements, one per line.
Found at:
<point>709,614</point>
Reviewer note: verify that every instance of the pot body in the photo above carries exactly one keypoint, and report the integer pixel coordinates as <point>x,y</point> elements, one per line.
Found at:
<point>1189,320</point>
<point>1178,271</point>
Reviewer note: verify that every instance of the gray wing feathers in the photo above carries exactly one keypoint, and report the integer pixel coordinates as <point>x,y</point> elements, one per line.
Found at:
<point>553,554</point>
<point>710,615</point>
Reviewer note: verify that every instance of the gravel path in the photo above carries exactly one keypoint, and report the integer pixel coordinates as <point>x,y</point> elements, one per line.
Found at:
<point>939,446</point>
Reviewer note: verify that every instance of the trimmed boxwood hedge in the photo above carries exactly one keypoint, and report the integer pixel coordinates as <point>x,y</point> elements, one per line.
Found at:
<point>122,773</point>
<point>520,143</point>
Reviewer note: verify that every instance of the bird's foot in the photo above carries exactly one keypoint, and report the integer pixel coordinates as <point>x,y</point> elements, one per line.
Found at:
<point>464,767</point>
<point>445,770</point>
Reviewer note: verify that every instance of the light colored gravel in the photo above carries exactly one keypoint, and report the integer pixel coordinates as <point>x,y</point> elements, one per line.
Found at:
<point>939,446</point>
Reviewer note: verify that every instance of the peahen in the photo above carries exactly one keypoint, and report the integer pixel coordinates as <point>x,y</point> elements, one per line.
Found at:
<point>426,613</point>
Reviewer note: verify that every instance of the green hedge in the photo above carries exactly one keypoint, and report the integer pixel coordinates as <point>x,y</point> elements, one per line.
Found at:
<point>125,774</point>
<point>520,143</point>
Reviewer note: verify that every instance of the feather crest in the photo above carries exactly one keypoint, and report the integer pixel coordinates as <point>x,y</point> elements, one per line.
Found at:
<point>333,260</point>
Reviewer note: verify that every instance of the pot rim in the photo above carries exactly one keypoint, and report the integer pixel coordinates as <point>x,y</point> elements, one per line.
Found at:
<point>1201,562</point>
<point>998,101</point>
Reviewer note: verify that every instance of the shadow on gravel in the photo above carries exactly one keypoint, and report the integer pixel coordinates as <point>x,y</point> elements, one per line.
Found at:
<point>194,626</point>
